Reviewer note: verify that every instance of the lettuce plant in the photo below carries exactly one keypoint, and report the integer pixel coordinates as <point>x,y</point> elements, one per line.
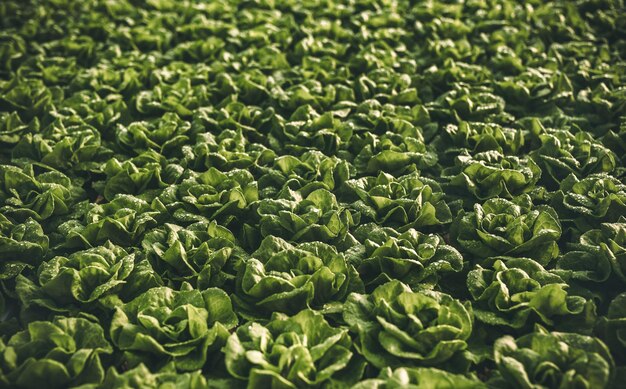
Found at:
<point>611,328</point>
<point>144,176</point>
<point>316,217</point>
<point>599,254</point>
<point>289,352</point>
<point>396,326</point>
<point>509,227</point>
<point>412,257</point>
<point>479,137</point>
<point>123,221</point>
<point>306,173</point>
<point>54,354</point>
<point>402,203</point>
<point>396,152</point>
<point>553,360</point>
<point>188,327</point>
<point>491,174</point>
<point>227,150</point>
<point>211,194</point>
<point>27,193</point>
<point>563,152</point>
<point>85,277</point>
<point>420,377</point>
<point>281,277</point>
<point>22,242</point>
<point>142,377</point>
<point>591,200</point>
<point>203,254</point>
<point>514,292</point>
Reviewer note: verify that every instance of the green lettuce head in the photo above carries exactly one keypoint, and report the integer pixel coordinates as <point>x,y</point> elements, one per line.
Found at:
<point>492,174</point>
<point>398,327</point>
<point>291,352</point>
<point>61,353</point>
<point>230,149</point>
<point>142,377</point>
<point>26,193</point>
<point>306,173</point>
<point>612,328</point>
<point>420,378</point>
<point>600,254</point>
<point>187,327</point>
<point>402,203</point>
<point>552,360</point>
<point>124,220</point>
<point>563,152</point>
<point>479,137</point>
<point>165,135</point>
<point>211,195</point>
<point>510,228</point>
<point>395,153</point>
<point>316,217</point>
<point>515,292</point>
<point>281,277</point>
<point>78,281</point>
<point>203,254</point>
<point>412,257</point>
<point>22,242</point>
<point>594,199</point>
<point>144,176</point>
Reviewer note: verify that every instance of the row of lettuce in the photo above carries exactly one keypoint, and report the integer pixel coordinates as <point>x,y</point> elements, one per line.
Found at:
<point>288,194</point>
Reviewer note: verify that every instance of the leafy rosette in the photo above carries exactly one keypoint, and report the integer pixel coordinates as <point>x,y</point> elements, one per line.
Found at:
<point>211,195</point>
<point>316,217</point>
<point>29,97</point>
<point>491,174</point>
<point>563,152</point>
<point>599,254</point>
<point>144,176</point>
<point>306,173</point>
<point>398,327</point>
<point>594,199</point>
<point>402,203</point>
<point>203,254</point>
<point>515,292</point>
<point>412,257</point>
<point>66,144</point>
<point>308,130</point>
<point>229,149</point>
<point>12,128</point>
<point>187,327</point>
<point>480,137</point>
<point>27,193</point>
<point>473,103</point>
<point>392,134</point>
<point>123,221</point>
<point>142,377</point>
<point>395,153</point>
<point>552,360</point>
<point>90,108</point>
<point>508,227</point>
<point>61,353</point>
<point>166,135</point>
<point>281,277</point>
<point>292,352</point>
<point>22,242</point>
<point>179,96</point>
<point>422,378</point>
<point>104,274</point>
<point>612,328</point>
